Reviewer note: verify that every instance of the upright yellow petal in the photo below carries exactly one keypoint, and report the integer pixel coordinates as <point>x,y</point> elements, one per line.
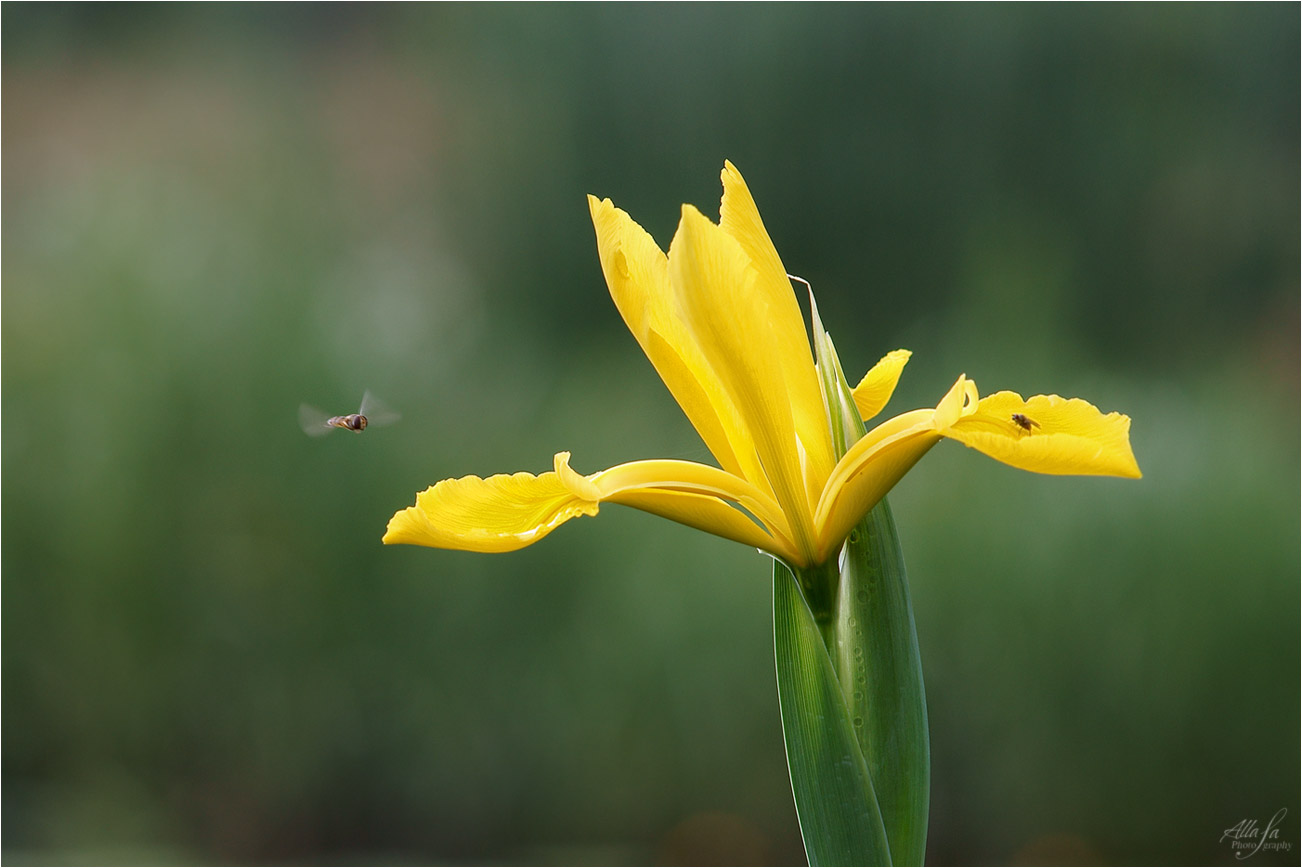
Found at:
<point>877,386</point>
<point>739,217</point>
<point>735,325</point>
<point>637,274</point>
<point>1048,434</point>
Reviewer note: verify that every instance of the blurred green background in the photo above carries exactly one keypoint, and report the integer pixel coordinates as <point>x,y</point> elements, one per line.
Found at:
<point>214,213</point>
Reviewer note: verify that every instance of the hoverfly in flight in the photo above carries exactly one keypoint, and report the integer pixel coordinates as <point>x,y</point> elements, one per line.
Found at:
<point>372,412</point>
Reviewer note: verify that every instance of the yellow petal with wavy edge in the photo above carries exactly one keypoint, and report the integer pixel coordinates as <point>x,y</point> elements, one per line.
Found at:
<point>868,471</point>
<point>715,284</point>
<point>739,217</point>
<point>877,386</point>
<point>507,512</point>
<point>1048,434</point>
<point>499,514</point>
<point>637,274</point>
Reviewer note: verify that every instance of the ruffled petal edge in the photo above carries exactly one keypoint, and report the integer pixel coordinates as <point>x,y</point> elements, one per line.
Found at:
<point>1048,434</point>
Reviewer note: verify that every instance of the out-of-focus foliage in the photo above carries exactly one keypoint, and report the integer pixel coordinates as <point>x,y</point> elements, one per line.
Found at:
<point>213,213</point>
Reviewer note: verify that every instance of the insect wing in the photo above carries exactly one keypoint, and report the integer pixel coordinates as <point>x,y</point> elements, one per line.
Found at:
<point>313,422</point>
<point>377,412</point>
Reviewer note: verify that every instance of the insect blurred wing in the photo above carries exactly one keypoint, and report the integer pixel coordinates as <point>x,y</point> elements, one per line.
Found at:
<point>313,422</point>
<point>376,411</point>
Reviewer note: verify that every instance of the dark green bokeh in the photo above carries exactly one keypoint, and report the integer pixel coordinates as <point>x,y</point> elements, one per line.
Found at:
<point>212,213</point>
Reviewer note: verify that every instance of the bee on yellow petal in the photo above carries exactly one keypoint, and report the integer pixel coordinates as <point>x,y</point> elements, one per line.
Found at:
<point>1026,423</point>
<point>372,412</point>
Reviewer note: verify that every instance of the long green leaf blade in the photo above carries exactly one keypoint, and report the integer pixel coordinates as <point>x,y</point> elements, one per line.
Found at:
<point>880,670</point>
<point>839,818</point>
<point>873,642</point>
<point>866,620</point>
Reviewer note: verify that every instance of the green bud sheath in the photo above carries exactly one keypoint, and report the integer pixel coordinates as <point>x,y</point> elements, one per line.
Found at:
<point>854,713</point>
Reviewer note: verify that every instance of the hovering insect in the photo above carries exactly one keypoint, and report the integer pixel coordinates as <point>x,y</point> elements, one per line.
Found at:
<point>1026,423</point>
<point>372,412</point>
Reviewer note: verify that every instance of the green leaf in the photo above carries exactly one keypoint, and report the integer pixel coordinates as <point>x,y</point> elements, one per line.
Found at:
<point>875,653</point>
<point>862,609</point>
<point>835,802</point>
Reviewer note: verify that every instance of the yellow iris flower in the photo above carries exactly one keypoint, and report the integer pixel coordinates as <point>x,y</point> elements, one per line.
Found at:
<point>720,322</point>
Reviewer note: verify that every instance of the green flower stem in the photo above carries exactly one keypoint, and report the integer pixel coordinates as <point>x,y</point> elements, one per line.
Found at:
<point>819,587</point>
<point>848,662</point>
<point>879,667</point>
<point>853,667</point>
<point>840,821</point>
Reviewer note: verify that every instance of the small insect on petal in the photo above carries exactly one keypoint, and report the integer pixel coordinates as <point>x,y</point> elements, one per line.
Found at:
<point>1026,423</point>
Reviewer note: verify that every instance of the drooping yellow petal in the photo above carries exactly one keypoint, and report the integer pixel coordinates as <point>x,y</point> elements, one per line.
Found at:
<point>703,513</point>
<point>1048,434</point>
<point>507,512</point>
<point>688,476</point>
<point>877,386</point>
<point>637,274</point>
<point>499,514</point>
<point>868,471</point>
<point>715,284</point>
<point>739,217</point>
<point>872,466</point>
<point>699,496</point>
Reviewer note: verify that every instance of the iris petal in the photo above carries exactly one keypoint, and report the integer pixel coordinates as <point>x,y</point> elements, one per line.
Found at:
<point>868,471</point>
<point>499,514</point>
<point>877,386</point>
<point>1053,435</point>
<point>637,274</point>
<point>715,283</point>
<point>688,476</point>
<point>507,512</point>
<point>789,343</point>
<point>703,513</point>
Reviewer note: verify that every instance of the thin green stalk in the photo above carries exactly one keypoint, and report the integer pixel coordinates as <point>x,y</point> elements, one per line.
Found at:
<point>858,606</point>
